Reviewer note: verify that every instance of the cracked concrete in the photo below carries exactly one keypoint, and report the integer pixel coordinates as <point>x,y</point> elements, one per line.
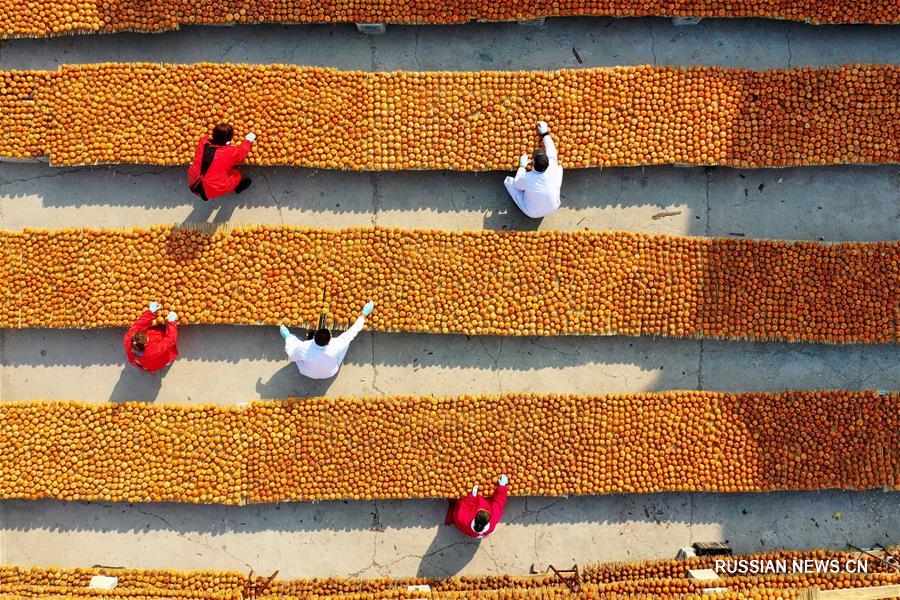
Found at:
<point>230,365</point>
<point>375,367</point>
<point>268,182</point>
<point>377,197</point>
<point>700,364</point>
<point>416,49</point>
<point>707,172</point>
<point>787,39</point>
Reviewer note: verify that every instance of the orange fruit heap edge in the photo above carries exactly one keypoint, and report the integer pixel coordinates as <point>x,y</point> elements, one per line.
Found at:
<point>484,283</point>
<point>54,17</point>
<point>427,447</point>
<point>465,121</point>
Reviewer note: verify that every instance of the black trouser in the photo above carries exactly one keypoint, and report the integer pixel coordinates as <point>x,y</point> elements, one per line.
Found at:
<point>243,185</point>
<point>209,153</point>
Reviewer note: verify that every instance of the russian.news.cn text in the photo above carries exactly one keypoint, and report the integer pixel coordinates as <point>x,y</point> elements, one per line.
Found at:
<point>746,566</point>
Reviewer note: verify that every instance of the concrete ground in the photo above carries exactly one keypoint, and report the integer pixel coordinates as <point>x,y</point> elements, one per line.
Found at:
<point>228,365</point>
<point>747,43</point>
<point>406,538</point>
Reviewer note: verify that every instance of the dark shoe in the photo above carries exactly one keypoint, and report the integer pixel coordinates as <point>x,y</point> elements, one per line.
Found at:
<point>243,185</point>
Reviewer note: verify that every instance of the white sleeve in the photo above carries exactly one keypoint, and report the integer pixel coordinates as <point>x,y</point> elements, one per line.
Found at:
<point>343,341</point>
<point>295,349</point>
<point>549,148</point>
<point>519,181</point>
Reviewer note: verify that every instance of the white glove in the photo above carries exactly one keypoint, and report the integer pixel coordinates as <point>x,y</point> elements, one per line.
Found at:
<point>543,128</point>
<point>504,480</point>
<point>523,161</point>
<point>367,309</point>
<point>475,490</point>
<point>171,317</point>
<point>250,137</point>
<point>154,307</point>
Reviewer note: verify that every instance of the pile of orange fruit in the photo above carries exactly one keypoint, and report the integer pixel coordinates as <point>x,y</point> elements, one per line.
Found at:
<point>485,282</point>
<point>403,447</point>
<point>470,121</point>
<point>54,17</point>
<point>22,124</point>
<point>32,582</point>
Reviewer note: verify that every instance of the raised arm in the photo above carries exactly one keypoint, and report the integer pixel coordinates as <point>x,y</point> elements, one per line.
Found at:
<point>171,336</point>
<point>240,152</point>
<point>144,322</point>
<point>296,349</point>
<point>498,502</point>
<point>343,341</point>
<point>549,148</point>
<point>519,179</point>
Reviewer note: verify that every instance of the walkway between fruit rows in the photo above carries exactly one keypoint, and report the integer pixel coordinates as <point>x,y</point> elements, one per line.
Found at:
<point>406,538</point>
<point>229,365</point>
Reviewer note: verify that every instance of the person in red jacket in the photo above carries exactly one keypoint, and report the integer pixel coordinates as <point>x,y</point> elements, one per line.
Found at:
<point>475,515</point>
<point>212,173</point>
<point>152,348</point>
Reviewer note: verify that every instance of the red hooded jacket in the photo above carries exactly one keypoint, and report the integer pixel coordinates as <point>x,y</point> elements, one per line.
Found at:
<point>462,512</point>
<point>221,177</point>
<point>160,349</point>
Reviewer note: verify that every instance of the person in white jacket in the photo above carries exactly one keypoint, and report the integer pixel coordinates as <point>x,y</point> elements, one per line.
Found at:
<point>320,356</point>
<point>536,192</point>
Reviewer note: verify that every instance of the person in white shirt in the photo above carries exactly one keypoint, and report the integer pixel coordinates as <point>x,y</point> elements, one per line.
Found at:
<point>536,192</point>
<point>320,356</point>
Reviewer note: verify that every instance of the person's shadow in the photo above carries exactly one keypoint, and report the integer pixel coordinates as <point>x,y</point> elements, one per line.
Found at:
<point>135,385</point>
<point>512,219</point>
<point>226,209</point>
<point>450,551</point>
<point>201,211</point>
<point>287,382</point>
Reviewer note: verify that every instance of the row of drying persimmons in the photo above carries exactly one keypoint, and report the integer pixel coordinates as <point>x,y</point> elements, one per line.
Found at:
<point>428,447</point>
<point>469,121</point>
<point>650,579</point>
<point>477,283</point>
<point>55,17</point>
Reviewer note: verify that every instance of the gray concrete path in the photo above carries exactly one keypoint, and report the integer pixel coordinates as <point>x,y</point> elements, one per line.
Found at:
<point>232,365</point>
<point>599,42</point>
<point>836,203</point>
<point>228,365</point>
<point>376,539</point>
